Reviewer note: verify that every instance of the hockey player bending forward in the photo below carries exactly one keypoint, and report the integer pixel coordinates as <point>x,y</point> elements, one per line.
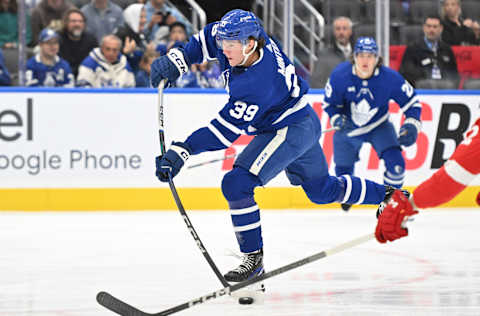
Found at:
<point>266,99</point>
<point>356,99</point>
<point>454,176</point>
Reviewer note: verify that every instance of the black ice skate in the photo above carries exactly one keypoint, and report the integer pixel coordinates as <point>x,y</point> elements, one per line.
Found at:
<point>251,266</point>
<point>346,206</point>
<point>388,194</point>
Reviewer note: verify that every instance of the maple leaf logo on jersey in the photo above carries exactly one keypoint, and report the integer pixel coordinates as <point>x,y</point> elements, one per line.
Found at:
<point>362,112</point>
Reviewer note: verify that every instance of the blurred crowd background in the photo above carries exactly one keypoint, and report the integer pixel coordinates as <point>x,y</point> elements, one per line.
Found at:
<point>111,43</point>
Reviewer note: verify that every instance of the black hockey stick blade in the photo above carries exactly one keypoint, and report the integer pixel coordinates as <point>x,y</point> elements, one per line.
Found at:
<point>118,306</point>
<point>114,304</point>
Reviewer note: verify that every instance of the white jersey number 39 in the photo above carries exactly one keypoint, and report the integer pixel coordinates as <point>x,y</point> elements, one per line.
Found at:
<point>243,110</point>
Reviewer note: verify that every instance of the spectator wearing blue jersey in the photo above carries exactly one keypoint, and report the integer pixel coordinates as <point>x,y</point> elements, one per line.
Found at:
<point>47,69</point>
<point>5,79</point>
<point>357,99</point>
<point>106,66</point>
<point>142,77</point>
<point>268,100</point>
<point>209,75</point>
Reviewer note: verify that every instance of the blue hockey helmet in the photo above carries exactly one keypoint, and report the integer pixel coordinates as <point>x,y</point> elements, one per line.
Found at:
<point>238,25</point>
<point>367,45</point>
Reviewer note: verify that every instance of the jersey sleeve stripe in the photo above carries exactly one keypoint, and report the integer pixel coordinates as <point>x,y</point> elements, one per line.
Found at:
<point>348,189</point>
<point>203,43</point>
<point>229,125</point>
<point>363,192</point>
<point>458,173</point>
<point>411,103</point>
<point>219,135</point>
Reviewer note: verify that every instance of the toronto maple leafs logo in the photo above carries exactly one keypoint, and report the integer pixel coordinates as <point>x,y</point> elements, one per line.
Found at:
<point>362,112</point>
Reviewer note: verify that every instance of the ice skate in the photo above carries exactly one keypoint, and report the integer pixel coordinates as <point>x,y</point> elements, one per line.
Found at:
<point>251,266</point>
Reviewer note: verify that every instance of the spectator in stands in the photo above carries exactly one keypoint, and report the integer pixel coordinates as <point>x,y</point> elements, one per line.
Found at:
<point>106,66</point>
<point>341,50</point>
<point>209,75</point>
<point>176,37</point>
<point>142,77</point>
<point>5,79</point>
<point>429,57</point>
<point>131,33</point>
<point>476,31</point>
<point>102,17</point>
<point>343,41</point>
<point>216,9</point>
<point>454,31</point>
<point>75,42</point>
<point>159,17</point>
<point>9,25</point>
<point>48,14</point>
<point>475,26</point>
<point>47,69</point>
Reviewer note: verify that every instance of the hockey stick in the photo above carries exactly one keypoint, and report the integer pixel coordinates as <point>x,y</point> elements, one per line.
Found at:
<point>235,155</point>
<point>211,161</point>
<point>161,136</point>
<point>115,305</point>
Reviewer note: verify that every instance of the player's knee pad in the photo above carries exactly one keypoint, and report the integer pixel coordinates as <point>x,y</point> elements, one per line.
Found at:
<point>395,167</point>
<point>324,190</point>
<point>339,170</point>
<point>239,184</point>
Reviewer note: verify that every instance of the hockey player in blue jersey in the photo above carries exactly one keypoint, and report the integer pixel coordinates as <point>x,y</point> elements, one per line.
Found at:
<point>266,99</point>
<point>356,99</point>
<point>47,69</point>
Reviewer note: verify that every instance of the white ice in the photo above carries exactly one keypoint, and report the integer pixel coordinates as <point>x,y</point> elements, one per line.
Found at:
<point>54,263</point>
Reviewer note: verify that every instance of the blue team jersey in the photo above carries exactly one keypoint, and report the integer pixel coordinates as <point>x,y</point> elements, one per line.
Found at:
<point>365,101</point>
<point>41,75</point>
<point>263,97</point>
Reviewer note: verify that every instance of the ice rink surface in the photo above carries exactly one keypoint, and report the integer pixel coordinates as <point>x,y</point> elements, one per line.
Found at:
<point>53,264</point>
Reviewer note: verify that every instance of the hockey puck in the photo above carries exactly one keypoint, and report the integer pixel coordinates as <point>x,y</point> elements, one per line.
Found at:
<point>245,300</point>
<point>478,198</point>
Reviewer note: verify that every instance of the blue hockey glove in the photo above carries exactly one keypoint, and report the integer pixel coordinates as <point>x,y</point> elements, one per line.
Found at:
<point>169,66</point>
<point>341,122</point>
<point>409,131</point>
<point>172,161</point>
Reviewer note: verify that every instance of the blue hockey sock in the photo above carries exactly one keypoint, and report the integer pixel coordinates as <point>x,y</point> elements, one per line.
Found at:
<point>361,191</point>
<point>246,223</point>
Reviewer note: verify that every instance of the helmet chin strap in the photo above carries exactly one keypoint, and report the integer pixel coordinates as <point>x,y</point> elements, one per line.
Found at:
<point>245,55</point>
